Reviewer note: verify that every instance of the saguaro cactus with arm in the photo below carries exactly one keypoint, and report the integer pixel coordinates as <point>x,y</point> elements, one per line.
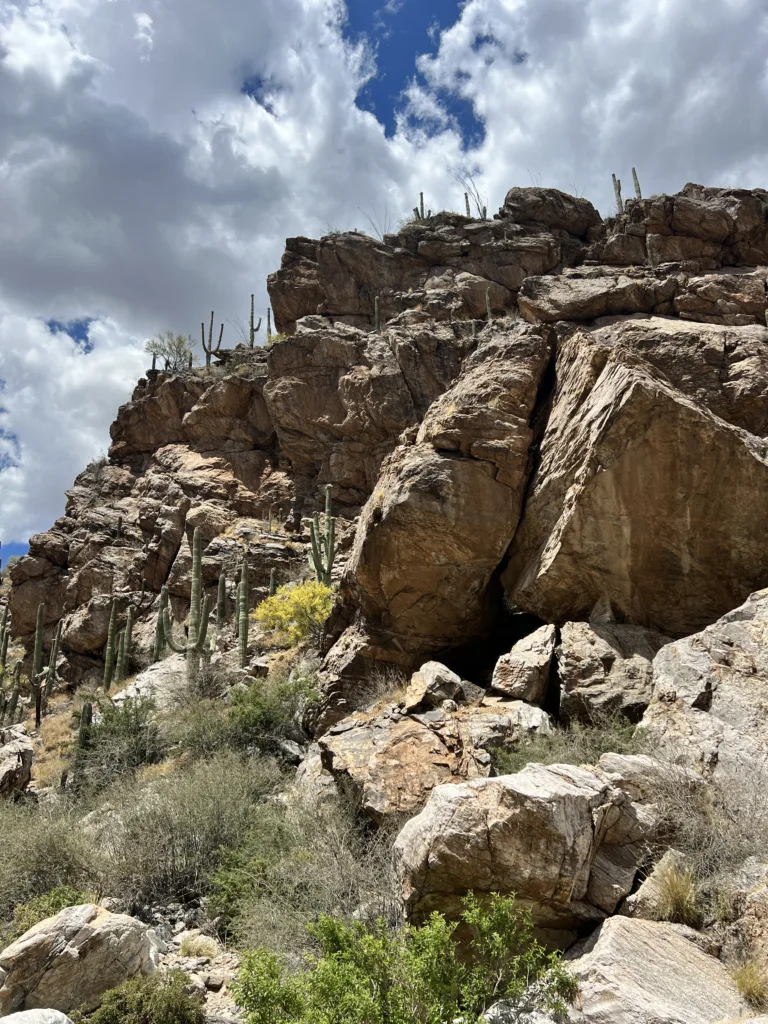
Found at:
<point>323,550</point>
<point>209,349</point>
<point>199,610</point>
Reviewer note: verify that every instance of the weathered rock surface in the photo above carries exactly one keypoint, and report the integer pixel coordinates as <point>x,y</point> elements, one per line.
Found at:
<point>567,840</point>
<point>162,683</point>
<point>605,669</point>
<point>16,753</point>
<point>394,759</point>
<point>37,1017</point>
<point>646,902</point>
<point>523,674</point>
<point>69,961</point>
<point>642,496</point>
<point>445,508</point>
<point>710,703</point>
<point>431,685</point>
<point>648,972</point>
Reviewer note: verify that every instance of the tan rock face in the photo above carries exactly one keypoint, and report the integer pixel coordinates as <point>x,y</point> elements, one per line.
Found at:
<point>523,674</point>
<point>567,840</point>
<point>606,668</point>
<point>71,960</point>
<point>394,759</point>
<point>642,497</point>
<point>445,508</point>
<point>709,705</point>
<point>16,752</point>
<point>648,972</point>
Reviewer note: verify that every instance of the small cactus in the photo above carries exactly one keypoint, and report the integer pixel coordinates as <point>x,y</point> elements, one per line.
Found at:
<point>323,549</point>
<point>86,721</point>
<point>636,181</point>
<point>209,349</point>
<point>272,582</point>
<point>418,211</point>
<point>617,193</point>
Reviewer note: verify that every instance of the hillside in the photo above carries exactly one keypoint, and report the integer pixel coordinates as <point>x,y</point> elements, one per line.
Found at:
<point>506,482</point>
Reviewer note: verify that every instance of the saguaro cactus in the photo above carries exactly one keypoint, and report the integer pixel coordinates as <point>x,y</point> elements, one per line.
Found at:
<point>377,315</point>
<point>120,658</point>
<point>323,550</point>
<point>466,203</point>
<point>159,633</point>
<point>243,592</point>
<point>86,721</point>
<point>109,656</point>
<point>617,193</point>
<point>5,637</point>
<point>636,181</point>
<point>272,581</point>
<point>199,610</point>
<point>16,689</point>
<point>209,349</point>
<point>488,309</point>
<point>221,601</point>
<point>269,327</point>
<point>418,211</point>
<point>253,331</point>
<point>50,677</point>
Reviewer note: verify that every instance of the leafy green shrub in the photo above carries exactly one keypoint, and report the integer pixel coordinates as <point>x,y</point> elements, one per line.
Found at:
<point>264,710</point>
<point>26,915</point>
<point>577,744</point>
<point>200,729</point>
<point>125,739</point>
<point>166,838</point>
<point>297,862</point>
<point>372,975</point>
<point>161,998</point>
<point>296,614</point>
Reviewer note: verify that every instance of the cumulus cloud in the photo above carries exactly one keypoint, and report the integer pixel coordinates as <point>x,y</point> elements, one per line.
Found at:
<point>154,155</point>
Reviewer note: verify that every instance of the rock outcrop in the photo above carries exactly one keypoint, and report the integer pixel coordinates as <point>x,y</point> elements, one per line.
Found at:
<point>567,840</point>
<point>69,961</point>
<point>648,972</point>
<point>16,752</point>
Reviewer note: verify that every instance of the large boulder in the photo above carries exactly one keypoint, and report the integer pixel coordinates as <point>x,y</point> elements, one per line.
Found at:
<point>606,668</point>
<point>632,971</point>
<point>37,1017</point>
<point>16,752</point>
<point>566,840</point>
<point>446,507</point>
<point>523,674</point>
<point>642,497</point>
<point>394,759</point>
<point>69,961</point>
<point>709,690</point>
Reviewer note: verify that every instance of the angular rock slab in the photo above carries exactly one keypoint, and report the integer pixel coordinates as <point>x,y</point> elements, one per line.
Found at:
<point>606,668</point>
<point>523,674</point>
<point>710,706</point>
<point>16,752</point>
<point>566,840</point>
<point>632,971</point>
<point>70,960</point>
<point>444,510</point>
<point>641,497</point>
<point>394,760</point>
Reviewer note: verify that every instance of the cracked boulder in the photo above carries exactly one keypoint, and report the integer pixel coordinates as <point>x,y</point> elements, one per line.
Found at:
<point>69,961</point>
<point>642,497</point>
<point>523,674</point>
<point>567,840</point>
<point>16,752</point>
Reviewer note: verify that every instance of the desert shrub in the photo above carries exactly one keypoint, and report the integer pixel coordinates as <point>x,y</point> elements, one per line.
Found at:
<point>677,896</point>
<point>161,998</point>
<point>26,915</point>
<point>43,849</point>
<point>199,729</point>
<point>296,614</point>
<point>577,744</point>
<point>167,837</point>
<point>751,981</point>
<point>200,945</point>
<point>414,975</point>
<point>125,739</point>
<point>172,350</point>
<point>299,861</point>
<point>263,711</point>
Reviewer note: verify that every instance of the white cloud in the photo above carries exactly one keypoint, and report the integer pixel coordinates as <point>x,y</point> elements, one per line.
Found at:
<point>142,187</point>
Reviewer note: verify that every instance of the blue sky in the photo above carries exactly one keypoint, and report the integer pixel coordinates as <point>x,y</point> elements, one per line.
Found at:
<point>157,153</point>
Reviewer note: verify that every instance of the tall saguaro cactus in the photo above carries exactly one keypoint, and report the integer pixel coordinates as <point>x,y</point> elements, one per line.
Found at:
<point>617,193</point>
<point>253,331</point>
<point>243,592</point>
<point>5,637</point>
<point>323,550</point>
<point>209,349</point>
<point>199,610</point>
<point>109,656</point>
<point>636,182</point>
<point>50,677</point>
<point>159,632</point>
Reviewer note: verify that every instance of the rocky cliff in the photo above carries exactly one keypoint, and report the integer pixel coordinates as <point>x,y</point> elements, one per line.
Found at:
<point>558,414</point>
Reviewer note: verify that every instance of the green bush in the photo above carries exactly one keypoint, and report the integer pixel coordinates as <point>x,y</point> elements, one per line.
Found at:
<point>166,838</point>
<point>297,862</point>
<point>125,739</point>
<point>27,915</point>
<point>577,744</point>
<point>161,998</point>
<point>296,614</point>
<point>264,710</point>
<point>373,975</point>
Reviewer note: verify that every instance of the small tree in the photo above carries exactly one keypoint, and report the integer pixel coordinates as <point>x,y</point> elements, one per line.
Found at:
<point>174,349</point>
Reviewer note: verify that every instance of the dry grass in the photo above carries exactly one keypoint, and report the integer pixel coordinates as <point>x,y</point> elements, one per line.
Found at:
<point>678,899</point>
<point>53,749</point>
<point>200,945</point>
<point>386,684</point>
<point>751,981</point>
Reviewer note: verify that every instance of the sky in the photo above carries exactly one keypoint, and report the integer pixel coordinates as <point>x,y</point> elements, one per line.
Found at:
<point>155,154</point>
